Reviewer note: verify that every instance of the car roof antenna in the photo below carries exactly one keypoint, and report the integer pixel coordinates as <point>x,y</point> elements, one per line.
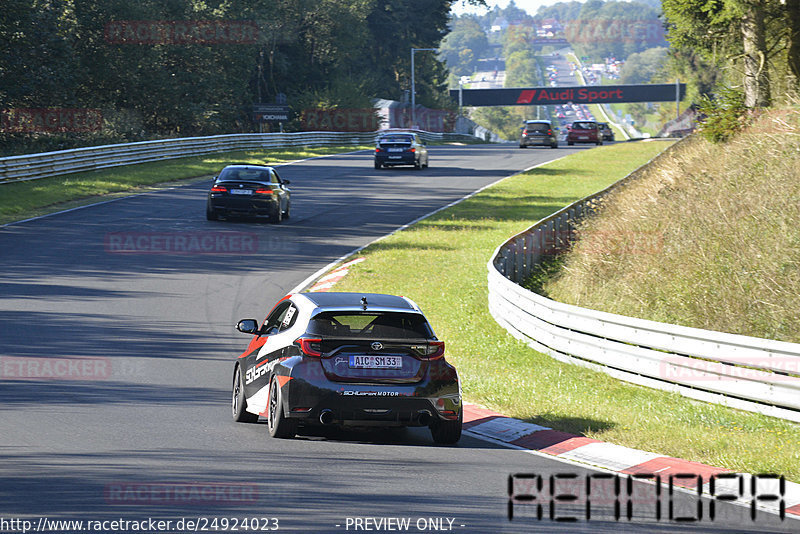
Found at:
<point>364,303</point>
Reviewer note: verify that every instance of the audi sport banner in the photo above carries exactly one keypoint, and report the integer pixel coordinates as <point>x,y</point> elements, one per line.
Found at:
<point>579,94</point>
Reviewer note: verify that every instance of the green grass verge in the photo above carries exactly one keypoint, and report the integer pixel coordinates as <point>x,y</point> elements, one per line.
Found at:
<point>595,110</point>
<point>441,264</point>
<point>20,200</point>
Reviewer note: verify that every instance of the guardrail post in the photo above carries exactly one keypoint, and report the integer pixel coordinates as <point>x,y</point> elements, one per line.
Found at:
<point>519,258</point>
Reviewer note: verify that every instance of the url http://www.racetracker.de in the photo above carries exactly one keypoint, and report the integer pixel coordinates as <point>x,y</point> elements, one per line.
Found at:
<point>193,524</point>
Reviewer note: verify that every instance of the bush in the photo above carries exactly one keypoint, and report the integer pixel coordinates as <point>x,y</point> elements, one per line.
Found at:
<point>725,115</point>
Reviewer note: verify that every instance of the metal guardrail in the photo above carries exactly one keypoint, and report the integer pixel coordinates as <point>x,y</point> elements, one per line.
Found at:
<point>46,164</point>
<point>753,374</point>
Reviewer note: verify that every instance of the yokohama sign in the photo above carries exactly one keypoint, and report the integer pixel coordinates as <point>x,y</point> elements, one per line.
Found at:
<point>580,94</point>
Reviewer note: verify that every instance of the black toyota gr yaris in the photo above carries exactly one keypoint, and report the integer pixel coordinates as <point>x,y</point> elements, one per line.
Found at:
<point>346,359</point>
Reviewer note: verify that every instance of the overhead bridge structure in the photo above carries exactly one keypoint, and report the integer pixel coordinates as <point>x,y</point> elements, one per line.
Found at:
<point>578,94</point>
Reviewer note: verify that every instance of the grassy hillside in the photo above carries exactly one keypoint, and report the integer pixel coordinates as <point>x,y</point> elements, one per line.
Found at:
<point>440,262</point>
<point>709,237</point>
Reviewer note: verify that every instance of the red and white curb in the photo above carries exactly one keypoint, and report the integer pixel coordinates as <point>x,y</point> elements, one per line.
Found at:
<point>483,423</point>
<point>326,282</point>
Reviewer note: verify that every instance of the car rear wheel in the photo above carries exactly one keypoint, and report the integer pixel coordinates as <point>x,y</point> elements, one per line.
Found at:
<point>570,143</point>
<point>277,217</point>
<point>211,213</point>
<point>447,432</point>
<point>378,165</point>
<point>238,400</point>
<point>278,425</point>
<point>286,213</point>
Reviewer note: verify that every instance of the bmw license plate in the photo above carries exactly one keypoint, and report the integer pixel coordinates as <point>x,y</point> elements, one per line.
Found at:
<point>395,150</point>
<point>241,191</point>
<point>375,362</point>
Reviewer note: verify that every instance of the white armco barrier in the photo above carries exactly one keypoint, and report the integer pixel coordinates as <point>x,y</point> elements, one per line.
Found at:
<point>33,166</point>
<point>754,374</point>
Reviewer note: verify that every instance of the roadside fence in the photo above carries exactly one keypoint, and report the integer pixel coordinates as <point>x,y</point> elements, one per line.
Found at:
<point>748,373</point>
<point>46,164</point>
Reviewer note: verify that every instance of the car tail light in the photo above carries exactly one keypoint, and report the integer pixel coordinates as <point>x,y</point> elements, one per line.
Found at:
<point>219,189</point>
<point>310,346</point>
<point>411,150</point>
<point>435,350</point>
<point>549,132</point>
<point>263,191</point>
<point>525,131</point>
<point>378,149</point>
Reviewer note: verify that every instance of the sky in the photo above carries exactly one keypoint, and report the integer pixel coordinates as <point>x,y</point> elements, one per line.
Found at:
<point>531,6</point>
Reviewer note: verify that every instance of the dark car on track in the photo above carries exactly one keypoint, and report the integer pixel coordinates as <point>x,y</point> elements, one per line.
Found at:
<point>584,132</point>
<point>246,190</point>
<point>538,133</point>
<point>401,149</point>
<point>606,131</point>
<point>346,359</point>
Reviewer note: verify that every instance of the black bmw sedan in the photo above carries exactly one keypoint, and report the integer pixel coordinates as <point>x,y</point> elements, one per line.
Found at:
<point>249,191</point>
<point>401,149</point>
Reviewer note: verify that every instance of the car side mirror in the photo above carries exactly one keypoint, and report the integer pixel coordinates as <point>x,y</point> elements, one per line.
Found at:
<point>248,326</point>
<point>287,181</point>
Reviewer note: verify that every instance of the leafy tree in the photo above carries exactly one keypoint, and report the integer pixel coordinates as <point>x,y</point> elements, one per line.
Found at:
<point>333,53</point>
<point>464,45</point>
<point>562,11</point>
<point>614,29</point>
<point>754,38</point>
<point>643,67</point>
<point>793,39</point>
<point>38,67</point>
<point>700,74</point>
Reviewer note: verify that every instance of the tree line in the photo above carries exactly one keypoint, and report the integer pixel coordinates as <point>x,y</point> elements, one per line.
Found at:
<point>749,45</point>
<point>183,67</point>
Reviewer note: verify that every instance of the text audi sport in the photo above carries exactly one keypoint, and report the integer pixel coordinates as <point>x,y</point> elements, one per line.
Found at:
<point>348,359</point>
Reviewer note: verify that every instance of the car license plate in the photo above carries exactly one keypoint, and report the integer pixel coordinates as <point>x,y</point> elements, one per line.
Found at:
<point>583,137</point>
<point>375,362</point>
<point>241,191</point>
<point>395,150</point>
<point>395,157</point>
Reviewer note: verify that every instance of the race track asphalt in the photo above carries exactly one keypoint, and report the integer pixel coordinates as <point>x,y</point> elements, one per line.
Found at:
<point>139,425</point>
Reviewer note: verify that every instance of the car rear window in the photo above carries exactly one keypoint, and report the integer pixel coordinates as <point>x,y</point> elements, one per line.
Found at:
<point>396,139</point>
<point>584,126</point>
<point>230,174</point>
<point>537,127</point>
<point>370,324</point>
